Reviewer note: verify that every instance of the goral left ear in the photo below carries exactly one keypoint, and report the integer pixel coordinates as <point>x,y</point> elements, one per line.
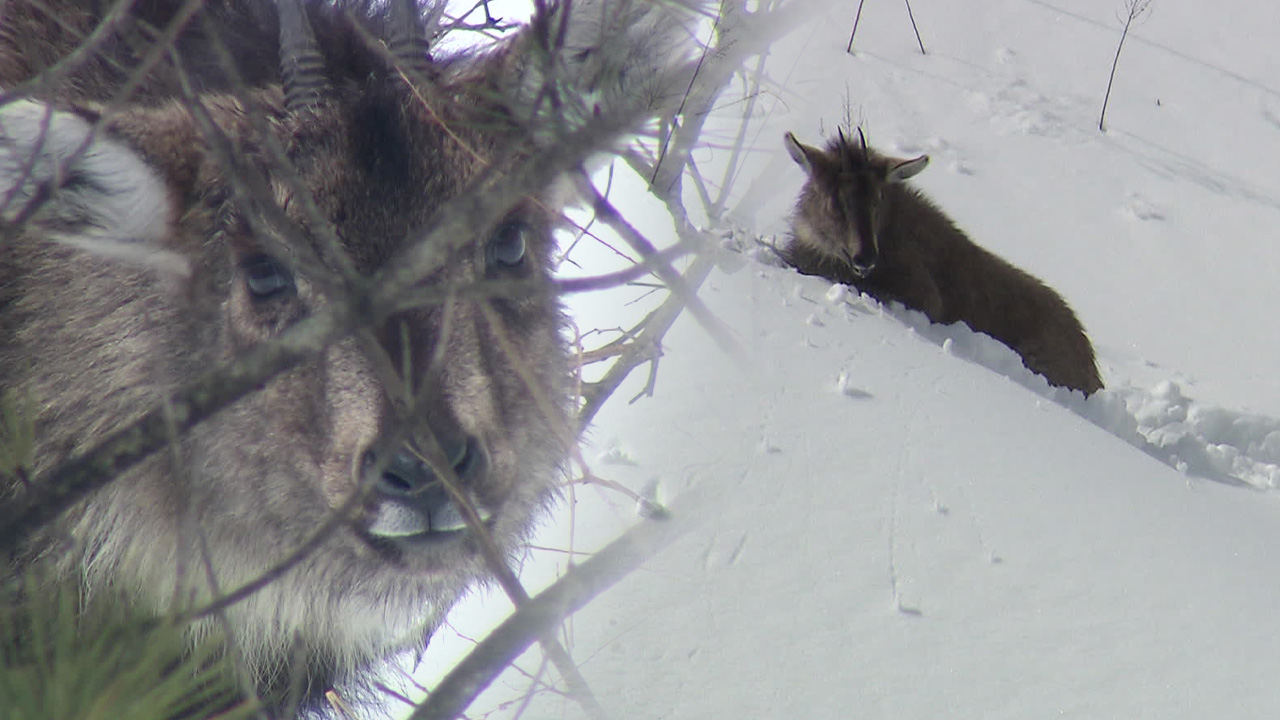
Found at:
<point>903,169</point>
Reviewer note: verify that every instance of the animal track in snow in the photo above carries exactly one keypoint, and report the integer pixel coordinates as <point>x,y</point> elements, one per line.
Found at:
<point>1019,109</point>
<point>844,383</point>
<point>1139,207</point>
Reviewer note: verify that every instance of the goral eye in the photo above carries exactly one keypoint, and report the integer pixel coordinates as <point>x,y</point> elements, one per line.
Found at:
<point>266,277</point>
<point>507,247</point>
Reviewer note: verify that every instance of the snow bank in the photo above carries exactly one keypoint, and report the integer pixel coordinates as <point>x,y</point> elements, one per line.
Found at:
<point>1199,440</point>
<point>892,533</point>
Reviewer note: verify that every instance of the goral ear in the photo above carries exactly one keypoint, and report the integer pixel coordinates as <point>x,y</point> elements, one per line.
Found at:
<point>806,157</point>
<point>900,170</point>
<point>67,181</point>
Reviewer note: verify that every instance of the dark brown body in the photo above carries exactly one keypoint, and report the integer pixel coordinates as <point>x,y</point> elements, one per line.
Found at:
<point>914,254</point>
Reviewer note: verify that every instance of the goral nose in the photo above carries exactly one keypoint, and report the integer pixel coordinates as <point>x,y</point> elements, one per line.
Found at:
<point>407,475</point>
<point>413,499</point>
<point>862,267</point>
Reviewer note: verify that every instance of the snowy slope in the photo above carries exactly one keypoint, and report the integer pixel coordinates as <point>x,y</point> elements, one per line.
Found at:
<point>930,541</point>
<point>1158,232</point>
<point>902,522</point>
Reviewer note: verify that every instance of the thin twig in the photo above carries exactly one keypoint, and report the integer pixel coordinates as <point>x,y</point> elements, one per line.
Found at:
<point>610,216</point>
<point>578,687</point>
<point>913,26</point>
<point>1134,9</point>
<point>752,91</point>
<point>540,616</point>
<point>697,110</point>
<point>856,18</point>
<point>659,322</point>
<point>665,184</point>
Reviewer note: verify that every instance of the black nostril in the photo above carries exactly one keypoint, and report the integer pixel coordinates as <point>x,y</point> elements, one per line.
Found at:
<point>407,474</point>
<point>468,459</point>
<point>404,474</point>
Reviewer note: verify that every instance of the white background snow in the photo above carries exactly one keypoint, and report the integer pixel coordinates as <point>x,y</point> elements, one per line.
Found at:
<point>899,521</point>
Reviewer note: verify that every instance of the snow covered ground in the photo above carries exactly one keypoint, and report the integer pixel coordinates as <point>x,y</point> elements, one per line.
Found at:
<point>898,520</point>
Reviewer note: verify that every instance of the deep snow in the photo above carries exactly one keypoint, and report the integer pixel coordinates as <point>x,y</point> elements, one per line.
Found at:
<point>900,520</point>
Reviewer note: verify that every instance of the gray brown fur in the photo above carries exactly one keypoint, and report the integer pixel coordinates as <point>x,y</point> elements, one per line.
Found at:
<point>102,316</point>
<point>35,36</point>
<point>857,222</point>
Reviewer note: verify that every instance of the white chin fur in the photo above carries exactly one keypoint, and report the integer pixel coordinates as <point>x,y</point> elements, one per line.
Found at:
<point>396,520</point>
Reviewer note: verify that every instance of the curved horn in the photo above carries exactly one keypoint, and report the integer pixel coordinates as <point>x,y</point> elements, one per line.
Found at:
<point>862,140</point>
<point>408,41</point>
<point>846,153</point>
<point>301,65</point>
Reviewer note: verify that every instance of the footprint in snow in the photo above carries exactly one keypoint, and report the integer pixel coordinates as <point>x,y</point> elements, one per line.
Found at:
<point>1138,207</point>
<point>844,384</point>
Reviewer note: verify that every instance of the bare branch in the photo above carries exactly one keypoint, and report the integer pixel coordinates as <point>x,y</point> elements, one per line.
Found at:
<point>609,215</point>
<point>914,29</point>
<point>856,19</point>
<point>644,347</point>
<point>538,617</point>
<point>1134,9</point>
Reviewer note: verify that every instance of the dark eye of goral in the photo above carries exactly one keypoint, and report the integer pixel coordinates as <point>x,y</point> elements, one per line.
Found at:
<point>266,278</point>
<point>507,249</point>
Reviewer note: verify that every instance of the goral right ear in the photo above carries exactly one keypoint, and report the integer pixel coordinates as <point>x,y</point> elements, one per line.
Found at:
<point>66,179</point>
<point>805,156</point>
